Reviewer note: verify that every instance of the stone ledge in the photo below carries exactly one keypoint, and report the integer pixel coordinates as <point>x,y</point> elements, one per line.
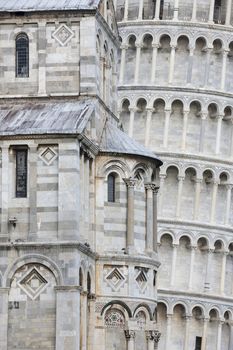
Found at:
<point>129,259</point>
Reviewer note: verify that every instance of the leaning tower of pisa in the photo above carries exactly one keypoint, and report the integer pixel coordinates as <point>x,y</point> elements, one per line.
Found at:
<point>176,97</point>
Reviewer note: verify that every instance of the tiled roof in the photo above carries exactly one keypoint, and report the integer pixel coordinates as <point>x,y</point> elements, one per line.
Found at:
<point>46,5</point>
<point>115,141</point>
<point>45,118</point>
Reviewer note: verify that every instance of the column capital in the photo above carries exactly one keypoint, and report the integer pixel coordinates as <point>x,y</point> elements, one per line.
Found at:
<point>124,46</point>
<point>138,45</point>
<point>175,245</point>
<point>149,109</point>
<point>173,46</point>
<point>205,319</point>
<point>180,178</point>
<point>193,247</point>
<point>130,182</point>
<point>220,117</point>
<point>129,334</point>
<point>156,45</point>
<point>153,335</point>
<point>204,115</point>
<point>169,316</point>
<point>198,180</point>
<point>229,186</point>
<point>187,318</point>
<point>133,109</point>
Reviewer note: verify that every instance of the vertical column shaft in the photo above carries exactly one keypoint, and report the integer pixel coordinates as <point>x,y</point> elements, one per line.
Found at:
<point>213,203</point>
<point>224,67</point>
<point>176,10</point>
<point>172,64</point>
<point>162,179</point>
<point>122,65</point>
<point>173,271</point>
<point>157,9</point>
<point>130,337</point>
<point>155,216</point>
<point>168,332</point>
<point>130,183</point>
<point>223,273</point>
<point>4,298</point>
<point>202,132</point>
<point>207,285</point>
<point>207,66</point>
<point>154,59</point>
<point>192,261</point>
<point>126,10</point>
<point>211,11</point>
<point>190,65</point>
<point>166,128</point>
<point>149,217</point>
<point>204,334</point>
<point>33,190</point>
<point>140,10</point>
<point>219,335</point>
<point>231,337</point>
<point>228,13</point>
<point>197,199</point>
<point>184,132</point>
<point>5,191</point>
<point>218,134</point>
<point>42,42</point>
<point>148,126</point>
<point>179,196</point>
<point>228,204</point>
<point>137,63</point>
<point>186,336</point>
<point>131,121</point>
<point>194,11</point>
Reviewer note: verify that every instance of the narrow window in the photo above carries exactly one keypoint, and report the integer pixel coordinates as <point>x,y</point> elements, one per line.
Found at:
<point>22,55</point>
<point>88,283</point>
<point>21,173</point>
<point>111,188</point>
<point>80,277</point>
<point>198,343</point>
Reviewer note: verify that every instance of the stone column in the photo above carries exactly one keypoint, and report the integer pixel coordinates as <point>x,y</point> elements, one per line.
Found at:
<point>131,120</point>
<point>228,13</point>
<point>122,65</point>
<point>130,183</point>
<point>155,216</point>
<point>204,334</point>
<point>186,336</point>
<point>33,192</point>
<point>162,178</point>
<point>168,332</point>
<point>148,126</point>
<point>68,328</point>
<point>192,261</point>
<point>173,271</point>
<point>5,192</point>
<point>218,134</point>
<point>190,65</point>
<point>211,14</point>
<point>213,202</point>
<point>149,217</point>
<point>140,10</point>
<point>231,337</point>
<point>154,60</point>
<point>207,286</point>
<point>137,63</point>
<point>130,338</point>
<point>126,10</point>
<point>228,205</point>
<point>197,199</point>
<point>224,67</point>
<point>157,10</point>
<point>166,127</point>
<point>152,339</point>
<point>4,298</point>
<point>184,132</point>
<point>207,67</point>
<point>91,326</point>
<point>172,63</point>
<point>194,12</point>
<point>231,148</point>
<point>202,132</point>
<point>223,273</point>
<point>83,321</point>
<point>176,10</point>
<point>219,334</point>
<point>179,196</point>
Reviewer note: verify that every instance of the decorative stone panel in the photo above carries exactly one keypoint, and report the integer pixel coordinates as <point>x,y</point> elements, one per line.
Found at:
<point>48,155</point>
<point>63,34</point>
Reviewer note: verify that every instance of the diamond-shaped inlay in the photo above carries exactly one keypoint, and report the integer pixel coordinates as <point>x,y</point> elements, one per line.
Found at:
<point>141,280</point>
<point>48,155</point>
<point>63,34</point>
<point>33,283</point>
<point>115,279</point>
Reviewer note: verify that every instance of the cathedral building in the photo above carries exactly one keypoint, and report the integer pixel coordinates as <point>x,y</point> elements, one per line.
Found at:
<point>78,196</point>
<point>175,97</point>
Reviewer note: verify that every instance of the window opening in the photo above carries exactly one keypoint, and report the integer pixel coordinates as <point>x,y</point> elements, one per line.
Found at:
<point>22,55</point>
<point>21,173</point>
<point>111,188</point>
<point>198,343</point>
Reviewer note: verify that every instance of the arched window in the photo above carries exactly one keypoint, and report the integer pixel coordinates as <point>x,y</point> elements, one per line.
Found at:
<point>88,283</point>
<point>80,277</point>
<point>111,188</point>
<point>22,55</point>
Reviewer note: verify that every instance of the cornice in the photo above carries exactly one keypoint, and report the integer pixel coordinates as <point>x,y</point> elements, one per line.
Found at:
<point>111,258</point>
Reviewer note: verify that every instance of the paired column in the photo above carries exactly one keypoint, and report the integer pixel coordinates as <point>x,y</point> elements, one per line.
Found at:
<point>228,13</point>
<point>122,67</point>
<point>228,205</point>
<point>218,134</point>
<point>219,334</point>
<point>166,127</point>
<point>137,63</point>
<point>172,63</point>
<point>184,132</point>
<point>130,338</point>
<point>211,11</point>
<point>130,183</point>
<point>186,336</point>
<point>179,196</point>
<point>224,67</point>
<point>173,271</point>
<point>152,339</point>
